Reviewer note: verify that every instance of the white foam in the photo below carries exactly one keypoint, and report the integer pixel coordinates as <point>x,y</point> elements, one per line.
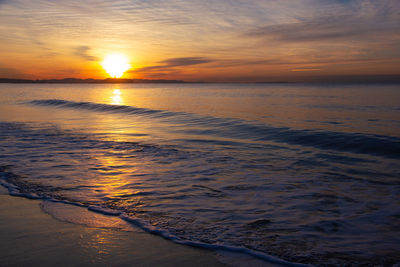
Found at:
<point>233,249</point>
<point>95,216</point>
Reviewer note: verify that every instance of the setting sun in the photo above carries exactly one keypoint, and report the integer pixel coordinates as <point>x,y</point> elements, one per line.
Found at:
<point>115,65</point>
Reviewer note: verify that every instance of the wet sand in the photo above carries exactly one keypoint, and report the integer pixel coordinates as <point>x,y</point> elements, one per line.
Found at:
<point>31,237</point>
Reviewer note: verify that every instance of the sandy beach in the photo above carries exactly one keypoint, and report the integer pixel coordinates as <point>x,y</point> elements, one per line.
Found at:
<point>30,237</point>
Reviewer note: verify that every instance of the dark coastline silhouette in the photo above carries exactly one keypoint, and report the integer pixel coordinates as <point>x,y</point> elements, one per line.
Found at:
<point>76,80</point>
<point>390,79</point>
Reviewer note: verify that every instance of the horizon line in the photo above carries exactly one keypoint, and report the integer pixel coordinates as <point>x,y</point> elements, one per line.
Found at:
<point>385,78</point>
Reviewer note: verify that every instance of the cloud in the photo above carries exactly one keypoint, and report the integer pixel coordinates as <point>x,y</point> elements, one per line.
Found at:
<point>234,36</point>
<point>171,63</point>
<point>305,69</point>
<point>83,52</point>
<point>185,61</point>
<point>327,28</point>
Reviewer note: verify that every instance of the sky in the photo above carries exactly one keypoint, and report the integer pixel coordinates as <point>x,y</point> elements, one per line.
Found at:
<point>201,40</point>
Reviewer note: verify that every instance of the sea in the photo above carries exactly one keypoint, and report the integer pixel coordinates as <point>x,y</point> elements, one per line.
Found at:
<point>293,173</point>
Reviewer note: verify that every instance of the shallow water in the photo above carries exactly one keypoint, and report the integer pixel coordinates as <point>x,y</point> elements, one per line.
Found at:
<point>309,173</point>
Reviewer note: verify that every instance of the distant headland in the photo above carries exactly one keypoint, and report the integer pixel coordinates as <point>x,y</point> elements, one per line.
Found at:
<point>76,80</point>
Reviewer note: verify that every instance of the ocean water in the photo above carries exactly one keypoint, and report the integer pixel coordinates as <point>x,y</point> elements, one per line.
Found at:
<point>306,173</point>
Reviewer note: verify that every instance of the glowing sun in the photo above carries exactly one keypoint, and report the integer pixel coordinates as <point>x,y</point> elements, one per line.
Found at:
<point>115,65</point>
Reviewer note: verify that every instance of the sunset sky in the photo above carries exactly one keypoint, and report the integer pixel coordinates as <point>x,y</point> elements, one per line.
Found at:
<point>225,40</point>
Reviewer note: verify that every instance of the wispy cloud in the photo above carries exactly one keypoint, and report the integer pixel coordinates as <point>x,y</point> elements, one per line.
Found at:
<point>329,28</point>
<point>236,36</point>
<point>305,69</point>
<point>172,63</point>
<point>185,61</point>
<point>83,52</point>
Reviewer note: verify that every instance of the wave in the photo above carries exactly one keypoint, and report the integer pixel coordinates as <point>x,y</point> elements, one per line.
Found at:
<point>14,191</point>
<point>370,144</point>
<point>101,107</point>
<point>210,196</point>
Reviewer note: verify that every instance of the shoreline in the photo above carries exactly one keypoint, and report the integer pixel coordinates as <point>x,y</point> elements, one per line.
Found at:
<point>31,237</point>
<point>43,233</point>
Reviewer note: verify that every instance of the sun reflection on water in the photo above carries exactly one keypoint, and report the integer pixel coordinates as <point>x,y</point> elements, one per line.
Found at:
<point>115,174</point>
<point>116,97</point>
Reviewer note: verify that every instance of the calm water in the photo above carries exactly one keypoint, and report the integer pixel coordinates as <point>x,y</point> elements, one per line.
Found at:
<point>309,173</point>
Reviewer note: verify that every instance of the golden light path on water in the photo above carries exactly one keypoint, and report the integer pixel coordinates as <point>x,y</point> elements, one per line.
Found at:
<point>116,97</point>
<point>114,172</point>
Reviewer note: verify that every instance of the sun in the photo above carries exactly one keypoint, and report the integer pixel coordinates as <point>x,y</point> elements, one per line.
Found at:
<point>115,65</point>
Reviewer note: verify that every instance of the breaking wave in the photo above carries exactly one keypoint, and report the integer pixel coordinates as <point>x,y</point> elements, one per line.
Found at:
<point>370,144</point>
